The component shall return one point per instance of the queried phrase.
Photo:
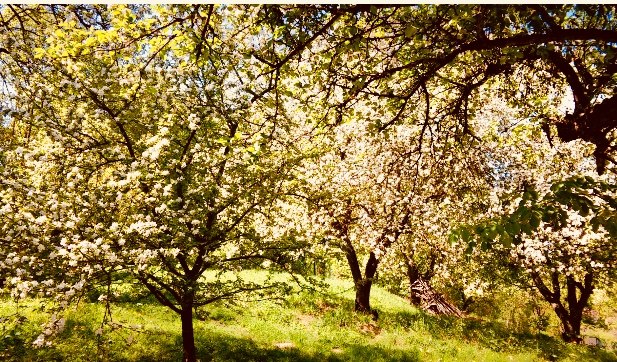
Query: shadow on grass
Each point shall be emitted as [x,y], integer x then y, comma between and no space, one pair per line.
[492,335]
[80,342]
[223,347]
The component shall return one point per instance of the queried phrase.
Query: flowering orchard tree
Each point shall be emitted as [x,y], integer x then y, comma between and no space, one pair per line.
[154,150]
[389,56]
[392,52]
[426,257]
[547,225]
[397,58]
[455,193]
[369,191]
[372,188]
[562,240]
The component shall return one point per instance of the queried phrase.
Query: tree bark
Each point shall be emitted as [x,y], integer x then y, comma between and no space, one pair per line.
[431,301]
[363,285]
[413,274]
[571,316]
[363,295]
[188,337]
[568,325]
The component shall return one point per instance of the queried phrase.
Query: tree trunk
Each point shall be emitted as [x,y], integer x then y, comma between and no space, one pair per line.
[362,285]
[188,337]
[363,295]
[572,316]
[422,294]
[570,331]
[413,274]
[363,289]
[575,323]
[431,301]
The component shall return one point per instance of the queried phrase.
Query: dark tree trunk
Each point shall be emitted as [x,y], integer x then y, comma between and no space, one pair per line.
[413,274]
[421,293]
[363,295]
[571,316]
[362,285]
[570,332]
[188,337]
[591,124]
[432,301]
[467,302]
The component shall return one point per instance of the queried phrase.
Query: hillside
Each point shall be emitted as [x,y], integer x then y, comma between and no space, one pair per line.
[306,326]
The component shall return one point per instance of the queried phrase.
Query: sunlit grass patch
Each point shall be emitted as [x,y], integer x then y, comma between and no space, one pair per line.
[306,325]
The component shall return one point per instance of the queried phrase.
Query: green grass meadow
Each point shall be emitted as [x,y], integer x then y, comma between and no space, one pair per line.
[304,326]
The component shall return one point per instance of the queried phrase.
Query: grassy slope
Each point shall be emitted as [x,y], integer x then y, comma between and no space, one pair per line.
[320,327]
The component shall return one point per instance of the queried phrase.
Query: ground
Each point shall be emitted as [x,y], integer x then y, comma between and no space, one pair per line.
[305,326]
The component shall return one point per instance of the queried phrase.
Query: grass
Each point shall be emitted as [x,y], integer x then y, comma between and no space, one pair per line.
[306,326]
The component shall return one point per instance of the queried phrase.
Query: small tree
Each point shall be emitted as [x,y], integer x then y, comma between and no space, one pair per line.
[370,191]
[158,150]
[562,241]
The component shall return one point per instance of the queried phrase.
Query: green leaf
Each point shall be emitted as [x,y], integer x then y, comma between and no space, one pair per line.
[512,228]
[470,248]
[556,187]
[490,234]
[524,213]
[465,235]
[409,31]
[534,220]
[485,245]
[506,240]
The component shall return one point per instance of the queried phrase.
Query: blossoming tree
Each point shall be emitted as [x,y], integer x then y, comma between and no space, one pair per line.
[155,151]
[552,219]
[371,191]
